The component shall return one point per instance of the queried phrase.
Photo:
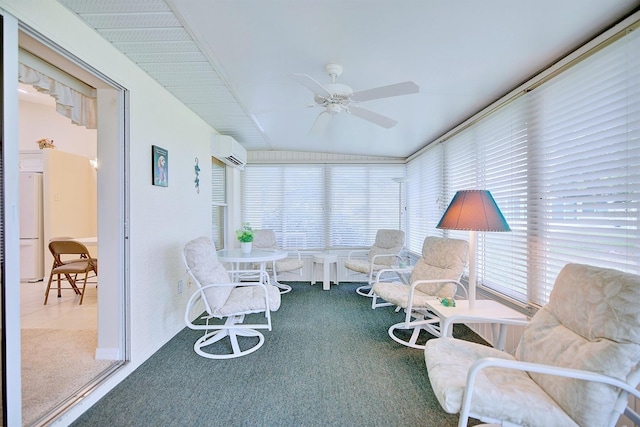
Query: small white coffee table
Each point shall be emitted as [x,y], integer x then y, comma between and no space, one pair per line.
[484,311]
[327,261]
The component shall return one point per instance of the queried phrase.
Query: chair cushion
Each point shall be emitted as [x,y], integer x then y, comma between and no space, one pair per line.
[592,322]
[289,264]
[249,299]
[264,239]
[398,294]
[363,266]
[205,267]
[389,239]
[73,267]
[442,258]
[388,242]
[498,392]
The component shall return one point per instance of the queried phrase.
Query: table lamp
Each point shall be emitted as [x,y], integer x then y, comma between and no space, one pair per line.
[473,210]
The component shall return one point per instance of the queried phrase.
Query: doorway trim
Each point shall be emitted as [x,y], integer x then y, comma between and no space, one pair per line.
[113,213]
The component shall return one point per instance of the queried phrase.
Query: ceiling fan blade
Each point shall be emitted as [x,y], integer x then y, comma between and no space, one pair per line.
[404,88]
[320,124]
[311,84]
[373,117]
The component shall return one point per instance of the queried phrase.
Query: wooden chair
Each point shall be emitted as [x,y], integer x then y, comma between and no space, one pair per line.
[82,262]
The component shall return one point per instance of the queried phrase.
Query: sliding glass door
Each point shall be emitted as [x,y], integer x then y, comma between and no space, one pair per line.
[9,243]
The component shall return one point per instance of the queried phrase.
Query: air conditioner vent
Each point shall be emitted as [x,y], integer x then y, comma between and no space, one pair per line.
[228,150]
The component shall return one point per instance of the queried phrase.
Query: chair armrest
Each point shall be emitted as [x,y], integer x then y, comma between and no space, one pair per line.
[420,282]
[397,256]
[294,252]
[378,274]
[579,374]
[397,270]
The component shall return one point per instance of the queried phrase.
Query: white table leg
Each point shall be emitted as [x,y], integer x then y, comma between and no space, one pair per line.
[326,280]
[446,327]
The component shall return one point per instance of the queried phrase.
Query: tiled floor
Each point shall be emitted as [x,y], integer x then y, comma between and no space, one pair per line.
[59,313]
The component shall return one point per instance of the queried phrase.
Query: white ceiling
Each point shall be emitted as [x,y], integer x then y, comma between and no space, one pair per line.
[28,93]
[230,60]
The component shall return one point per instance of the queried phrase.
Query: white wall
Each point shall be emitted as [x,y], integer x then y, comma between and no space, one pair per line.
[38,121]
[162,220]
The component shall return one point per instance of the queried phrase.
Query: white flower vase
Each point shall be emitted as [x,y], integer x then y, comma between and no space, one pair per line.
[246,247]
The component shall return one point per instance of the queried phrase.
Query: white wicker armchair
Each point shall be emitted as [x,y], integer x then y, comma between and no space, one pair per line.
[266,239]
[384,253]
[222,299]
[435,275]
[576,364]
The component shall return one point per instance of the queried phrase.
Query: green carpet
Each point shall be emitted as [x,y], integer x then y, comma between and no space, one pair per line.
[327,362]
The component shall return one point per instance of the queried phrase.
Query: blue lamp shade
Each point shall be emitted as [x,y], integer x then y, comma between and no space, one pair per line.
[473,210]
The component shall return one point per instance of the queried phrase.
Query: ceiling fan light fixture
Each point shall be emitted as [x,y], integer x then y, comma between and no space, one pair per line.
[334,109]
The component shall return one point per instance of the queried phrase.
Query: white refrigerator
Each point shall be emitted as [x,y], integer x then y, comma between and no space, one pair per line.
[31,227]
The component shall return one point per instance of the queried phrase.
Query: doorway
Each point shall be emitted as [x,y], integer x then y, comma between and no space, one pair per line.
[111,345]
[58,197]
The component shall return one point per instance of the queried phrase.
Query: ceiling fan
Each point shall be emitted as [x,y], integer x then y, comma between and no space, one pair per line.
[336,97]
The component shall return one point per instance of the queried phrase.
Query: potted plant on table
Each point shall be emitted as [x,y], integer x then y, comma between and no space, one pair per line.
[245,237]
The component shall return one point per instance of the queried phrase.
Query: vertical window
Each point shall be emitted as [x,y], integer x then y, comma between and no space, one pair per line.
[426,201]
[563,163]
[492,155]
[218,202]
[288,199]
[585,165]
[361,200]
[312,206]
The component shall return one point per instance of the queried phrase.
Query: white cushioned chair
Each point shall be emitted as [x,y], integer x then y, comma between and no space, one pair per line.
[265,239]
[576,363]
[222,299]
[435,275]
[384,253]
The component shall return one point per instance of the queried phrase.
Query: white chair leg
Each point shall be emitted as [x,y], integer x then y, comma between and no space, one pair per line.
[365,291]
[213,337]
[283,287]
[430,326]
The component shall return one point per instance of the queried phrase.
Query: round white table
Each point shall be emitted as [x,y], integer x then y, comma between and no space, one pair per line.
[258,256]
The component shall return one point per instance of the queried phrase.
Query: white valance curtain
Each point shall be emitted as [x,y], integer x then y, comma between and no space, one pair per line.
[77,103]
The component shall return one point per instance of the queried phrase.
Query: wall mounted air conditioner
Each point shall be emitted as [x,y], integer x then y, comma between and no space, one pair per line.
[228,150]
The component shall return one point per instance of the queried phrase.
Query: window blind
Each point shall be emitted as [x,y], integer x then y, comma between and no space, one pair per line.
[289,199]
[362,199]
[502,142]
[218,202]
[313,206]
[562,162]
[586,165]
[425,198]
